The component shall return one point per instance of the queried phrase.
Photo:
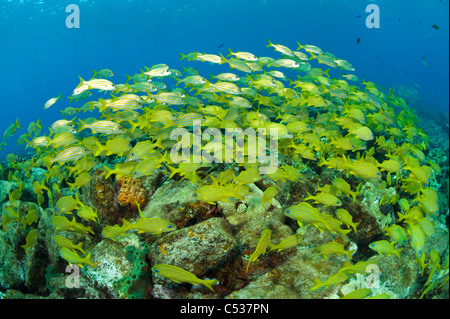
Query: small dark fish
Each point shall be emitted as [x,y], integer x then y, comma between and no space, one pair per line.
[220,45]
[358,40]
[399,20]
[420,21]
[358,16]
[435,26]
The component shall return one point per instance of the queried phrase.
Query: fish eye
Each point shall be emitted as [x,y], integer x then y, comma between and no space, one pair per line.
[288,211]
[338,203]
[318,252]
[378,173]
[135,173]
[420,252]
[170,226]
[195,194]
[155,270]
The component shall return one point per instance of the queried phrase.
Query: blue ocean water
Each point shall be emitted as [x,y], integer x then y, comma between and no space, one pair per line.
[40,57]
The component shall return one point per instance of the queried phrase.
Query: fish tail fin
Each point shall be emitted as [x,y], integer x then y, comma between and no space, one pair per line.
[87,261]
[173,170]
[308,196]
[103,103]
[71,186]
[99,150]
[126,225]
[80,247]
[350,253]
[26,141]
[25,247]
[397,252]
[270,44]
[354,194]
[108,171]
[17,123]
[183,56]
[317,284]
[82,125]
[231,52]
[224,59]
[299,46]
[210,283]
[355,225]
[322,161]
[133,125]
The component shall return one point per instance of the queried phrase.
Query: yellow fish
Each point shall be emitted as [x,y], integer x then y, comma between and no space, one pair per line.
[212,194]
[179,275]
[304,213]
[268,195]
[73,258]
[87,213]
[121,169]
[324,199]
[81,180]
[31,239]
[358,294]
[70,154]
[344,187]
[52,101]
[336,279]
[112,232]
[333,248]
[289,242]
[64,242]
[67,204]
[362,169]
[385,247]
[118,146]
[345,217]
[263,243]
[397,234]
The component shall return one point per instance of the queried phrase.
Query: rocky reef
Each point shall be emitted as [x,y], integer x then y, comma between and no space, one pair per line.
[357,205]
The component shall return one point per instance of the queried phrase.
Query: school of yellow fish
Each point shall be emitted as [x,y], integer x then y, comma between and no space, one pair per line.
[339,123]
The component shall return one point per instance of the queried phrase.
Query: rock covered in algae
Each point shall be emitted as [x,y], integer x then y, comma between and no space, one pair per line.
[100,194]
[199,249]
[169,200]
[111,263]
[248,220]
[12,273]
